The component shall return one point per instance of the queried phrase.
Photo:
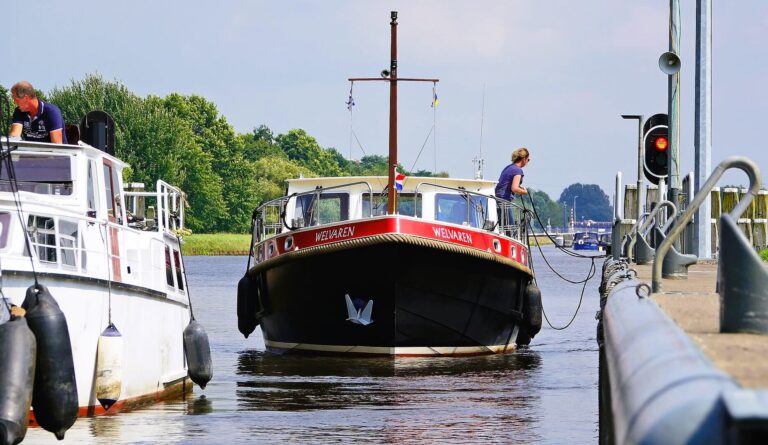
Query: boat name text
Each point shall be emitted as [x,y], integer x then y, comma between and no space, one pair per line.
[331,234]
[443,232]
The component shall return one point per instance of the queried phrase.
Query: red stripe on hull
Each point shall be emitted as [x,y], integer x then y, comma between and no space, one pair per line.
[179,389]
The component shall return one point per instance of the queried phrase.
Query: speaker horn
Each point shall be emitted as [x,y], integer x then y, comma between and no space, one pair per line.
[669,63]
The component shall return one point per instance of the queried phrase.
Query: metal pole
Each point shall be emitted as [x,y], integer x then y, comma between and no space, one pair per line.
[673,104]
[703,126]
[392,199]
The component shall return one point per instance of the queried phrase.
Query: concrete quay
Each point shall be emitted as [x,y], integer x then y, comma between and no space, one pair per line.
[695,307]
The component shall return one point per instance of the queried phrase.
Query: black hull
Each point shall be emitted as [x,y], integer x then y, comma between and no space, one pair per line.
[426,301]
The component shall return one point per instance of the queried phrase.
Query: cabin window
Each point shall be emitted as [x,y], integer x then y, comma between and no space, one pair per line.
[406,204]
[467,210]
[177,262]
[114,197]
[46,175]
[68,242]
[42,234]
[168,267]
[91,191]
[330,208]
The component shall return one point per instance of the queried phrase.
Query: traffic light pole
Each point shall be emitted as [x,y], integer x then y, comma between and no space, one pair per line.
[673,105]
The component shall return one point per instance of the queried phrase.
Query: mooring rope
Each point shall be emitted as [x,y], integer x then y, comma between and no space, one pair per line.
[590,274]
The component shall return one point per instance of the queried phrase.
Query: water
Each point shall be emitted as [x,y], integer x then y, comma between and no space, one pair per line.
[544,394]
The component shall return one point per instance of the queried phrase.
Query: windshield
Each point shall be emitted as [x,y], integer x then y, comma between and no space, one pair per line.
[44,174]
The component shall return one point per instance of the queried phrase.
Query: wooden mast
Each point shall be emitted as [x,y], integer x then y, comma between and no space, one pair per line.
[391,77]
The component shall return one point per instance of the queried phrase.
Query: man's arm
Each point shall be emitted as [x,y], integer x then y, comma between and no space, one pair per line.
[15,130]
[56,136]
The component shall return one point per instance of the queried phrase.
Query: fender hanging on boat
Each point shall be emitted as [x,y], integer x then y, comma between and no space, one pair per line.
[109,366]
[17,353]
[246,306]
[54,397]
[198,354]
[532,309]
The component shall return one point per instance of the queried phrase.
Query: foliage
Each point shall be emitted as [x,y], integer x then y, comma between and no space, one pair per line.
[548,211]
[764,254]
[590,200]
[6,109]
[305,151]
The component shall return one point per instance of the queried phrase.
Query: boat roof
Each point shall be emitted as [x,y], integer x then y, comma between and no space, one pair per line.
[410,182]
[47,147]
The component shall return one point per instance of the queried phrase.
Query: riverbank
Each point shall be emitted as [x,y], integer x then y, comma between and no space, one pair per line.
[216,244]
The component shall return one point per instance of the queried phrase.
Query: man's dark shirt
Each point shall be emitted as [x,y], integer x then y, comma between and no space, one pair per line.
[39,127]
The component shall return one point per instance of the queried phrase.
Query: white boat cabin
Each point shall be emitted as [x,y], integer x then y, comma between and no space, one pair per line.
[319,201]
[80,219]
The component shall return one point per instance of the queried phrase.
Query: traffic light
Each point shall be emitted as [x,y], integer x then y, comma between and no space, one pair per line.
[656,144]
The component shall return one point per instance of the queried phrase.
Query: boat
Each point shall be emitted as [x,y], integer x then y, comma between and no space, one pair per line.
[390,265]
[109,255]
[586,241]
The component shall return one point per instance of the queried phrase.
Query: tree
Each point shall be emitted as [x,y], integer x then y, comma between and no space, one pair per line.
[155,142]
[591,202]
[548,211]
[305,151]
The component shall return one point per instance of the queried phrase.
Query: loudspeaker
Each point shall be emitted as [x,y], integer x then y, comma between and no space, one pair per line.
[669,63]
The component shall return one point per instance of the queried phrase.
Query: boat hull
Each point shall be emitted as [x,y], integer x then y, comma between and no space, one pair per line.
[151,325]
[439,302]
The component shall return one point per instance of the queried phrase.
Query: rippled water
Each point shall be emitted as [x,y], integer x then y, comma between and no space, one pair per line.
[546,393]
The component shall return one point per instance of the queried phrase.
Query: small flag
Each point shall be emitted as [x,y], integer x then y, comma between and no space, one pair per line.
[399,179]
[350,102]
[435,101]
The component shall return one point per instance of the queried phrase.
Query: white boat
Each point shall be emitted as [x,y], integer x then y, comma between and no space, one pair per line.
[106,254]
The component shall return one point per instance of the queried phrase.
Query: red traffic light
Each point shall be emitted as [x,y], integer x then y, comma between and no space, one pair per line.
[661,143]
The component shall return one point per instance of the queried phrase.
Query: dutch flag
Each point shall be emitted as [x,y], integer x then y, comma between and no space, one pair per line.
[399,179]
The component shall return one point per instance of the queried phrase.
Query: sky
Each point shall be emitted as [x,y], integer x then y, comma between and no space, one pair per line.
[553,76]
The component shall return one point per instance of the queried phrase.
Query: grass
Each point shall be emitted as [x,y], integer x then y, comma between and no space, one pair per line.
[764,254]
[216,244]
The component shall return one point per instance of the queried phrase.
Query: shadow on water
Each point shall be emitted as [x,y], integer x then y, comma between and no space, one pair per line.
[298,383]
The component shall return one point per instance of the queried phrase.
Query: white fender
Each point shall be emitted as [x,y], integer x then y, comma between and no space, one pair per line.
[109,367]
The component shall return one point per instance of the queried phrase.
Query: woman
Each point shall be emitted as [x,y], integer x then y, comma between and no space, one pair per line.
[511,181]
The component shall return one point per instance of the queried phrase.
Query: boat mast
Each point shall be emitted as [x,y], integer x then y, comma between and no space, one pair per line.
[392,197]
[391,77]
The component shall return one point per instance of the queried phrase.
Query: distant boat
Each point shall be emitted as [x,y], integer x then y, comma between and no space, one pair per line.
[392,266]
[586,241]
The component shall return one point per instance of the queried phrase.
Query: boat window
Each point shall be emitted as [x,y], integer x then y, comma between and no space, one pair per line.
[42,234]
[68,242]
[332,207]
[168,267]
[406,204]
[177,262]
[114,197]
[43,174]
[91,189]
[454,209]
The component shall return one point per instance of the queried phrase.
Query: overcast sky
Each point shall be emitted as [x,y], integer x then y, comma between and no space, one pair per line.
[556,74]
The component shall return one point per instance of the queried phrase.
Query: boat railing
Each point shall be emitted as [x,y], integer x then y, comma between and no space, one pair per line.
[167,213]
[270,217]
[510,219]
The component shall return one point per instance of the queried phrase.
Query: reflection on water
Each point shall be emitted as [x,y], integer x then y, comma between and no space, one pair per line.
[544,394]
[296,383]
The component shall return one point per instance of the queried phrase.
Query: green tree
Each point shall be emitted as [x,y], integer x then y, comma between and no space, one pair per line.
[260,143]
[591,202]
[155,142]
[305,151]
[548,211]
[6,110]
[217,138]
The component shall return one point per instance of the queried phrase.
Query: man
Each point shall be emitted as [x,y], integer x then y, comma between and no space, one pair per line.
[33,119]
[511,183]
